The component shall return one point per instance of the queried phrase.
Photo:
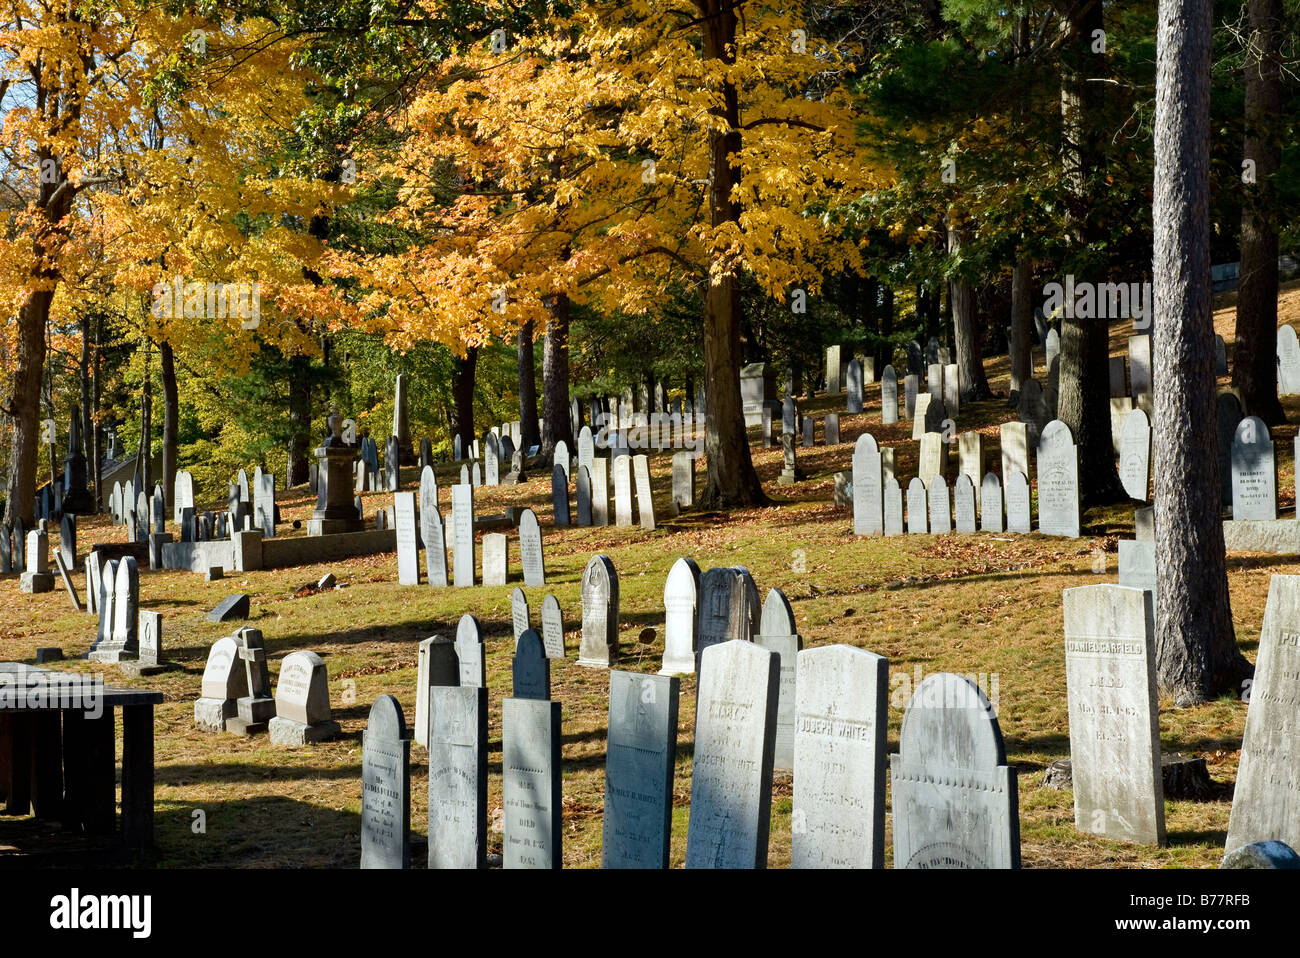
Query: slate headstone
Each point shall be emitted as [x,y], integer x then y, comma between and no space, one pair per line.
[462,524]
[530,668]
[531,785]
[639,756]
[1254,472]
[385,788]
[888,397]
[436,665]
[469,652]
[552,628]
[599,613]
[868,505]
[1058,481]
[458,777]
[777,633]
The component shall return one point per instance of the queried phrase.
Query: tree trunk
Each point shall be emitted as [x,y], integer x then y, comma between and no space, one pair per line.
[555,381]
[1196,651]
[731,480]
[1254,360]
[462,388]
[145,452]
[25,408]
[300,438]
[1083,378]
[1022,325]
[94,433]
[966,338]
[884,351]
[171,421]
[529,433]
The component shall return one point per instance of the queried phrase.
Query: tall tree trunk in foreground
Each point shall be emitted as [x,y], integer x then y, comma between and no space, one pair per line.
[1254,361]
[300,437]
[555,380]
[462,389]
[171,427]
[1022,325]
[1196,651]
[529,434]
[966,338]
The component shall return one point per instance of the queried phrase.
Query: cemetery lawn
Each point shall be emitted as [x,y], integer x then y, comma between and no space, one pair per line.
[986,605]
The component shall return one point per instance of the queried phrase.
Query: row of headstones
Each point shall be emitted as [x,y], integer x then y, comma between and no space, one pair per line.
[954,802]
[236,693]
[592,490]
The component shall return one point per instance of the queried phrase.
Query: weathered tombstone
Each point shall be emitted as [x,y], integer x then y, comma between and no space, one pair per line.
[408,546]
[952,388]
[552,628]
[1228,416]
[1119,413]
[600,491]
[125,639]
[639,754]
[953,795]
[426,454]
[462,524]
[765,425]
[1144,524]
[520,617]
[789,416]
[684,479]
[1264,801]
[530,771]
[583,489]
[934,380]
[680,591]
[888,397]
[1017,502]
[854,390]
[919,415]
[833,384]
[776,632]
[940,506]
[809,432]
[599,614]
[1254,472]
[436,665]
[469,652]
[264,504]
[1013,439]
[392,464]
[1051,346]
[475,474]
[1035,409]
[1137,566]
[1288,361]
[735,739]
[893,508]
[723,609]
[561,458]
[496,549]
[457,448]
[963,499]
[302,702]
[622,491]
[224,683]
[1139,364]
[1220,356]
[1110,676]
[645,506]
[143,520]
[105,600]
[385,787]
[435,546]
[68,540]
[911,386]
[832,429]
[491,460]
[1135,455]
[457,736]
[868,518]
[530,668]
[918,507]
[840,740]
[1058,481]
[253,711]
[586,447]
[933,457]
[970,459]
[991,503]
[530,549]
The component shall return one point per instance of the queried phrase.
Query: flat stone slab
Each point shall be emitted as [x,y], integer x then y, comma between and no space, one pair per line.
[285,731]
[230,608]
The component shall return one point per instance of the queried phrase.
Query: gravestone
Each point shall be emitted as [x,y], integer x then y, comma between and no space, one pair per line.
[1264,803]
[1017,502]
[1288,361]
[552,628]
[125,639]
[919,415]
[934,380]
[530,771]
[462,525]
[868,516]
[1119,413]
[911,387]
[458,777]
[789,466]
[599,614]
[735,740]
[464,475]
[1051,346]
[600,491]
[583,485]
[264,505]
[1144,524]
[940,506]
[385,787]
[105,600]
[496,548]
[684,479]
[253,711]
[833,384]
[224,683]
[809,432]
[530,549]
[491,460]
[893,508]
[562,459]
[680,591]
[520,616]
[1220,356]
[426,454]
[530,669]
[991,503]
[1013,440]
[776,633]
[1228,417]
[436,666]
[888,397]
[723,608]
[1254,472]
[963,504]
[469,652]
[933,457]
[392,465]
[953,795]
[970,459]
[1035,410]
[623,491]
[952,388]
[408,546]
[917,507]
[832,429]
[765,425]
[854,389]
[1118,377]
[840,736]
[789,416]
[1139,364]
[302,702]
[1110,676]
[1135,455]
[586,447]
[1058,481]
[640,751]
[475,475]
[435,546]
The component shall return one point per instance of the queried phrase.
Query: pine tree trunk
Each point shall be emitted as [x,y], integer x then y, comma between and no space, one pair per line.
[529,434]
[1196,651]
[300,438]
[1254,361]
[462,389]
[1022,324]
[171,417]
[555,381]
[970,363]
[731,480]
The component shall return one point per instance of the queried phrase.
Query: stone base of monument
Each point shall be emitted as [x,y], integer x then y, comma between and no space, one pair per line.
[211,715]
[35,582]
[110,656]
[1182,776]
[288,732]
[1277,536]
[136,668]
[329,527]
[253,716]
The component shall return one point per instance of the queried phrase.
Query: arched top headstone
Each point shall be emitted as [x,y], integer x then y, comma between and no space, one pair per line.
[519,613]
[963,485]
[467,630]
[949,722]
[386,720]
[916,485]
[683,581]
[990,482]
[530,645]
[777,617]
[1055,437]
[865,446]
